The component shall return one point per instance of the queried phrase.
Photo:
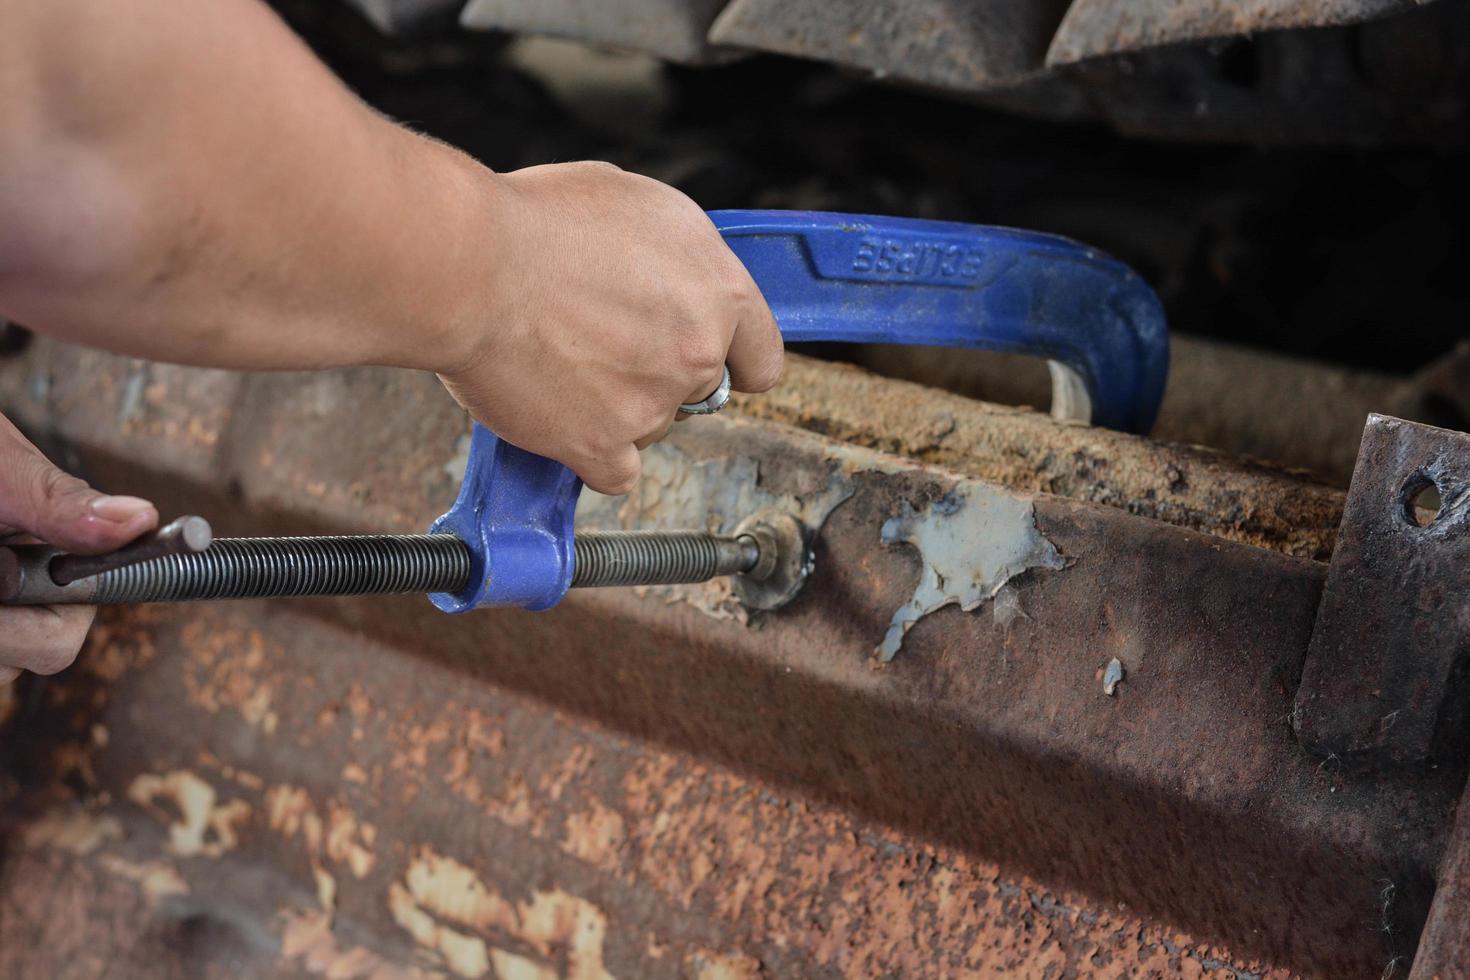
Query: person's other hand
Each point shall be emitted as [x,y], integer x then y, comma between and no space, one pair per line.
[613,299]
[40,502]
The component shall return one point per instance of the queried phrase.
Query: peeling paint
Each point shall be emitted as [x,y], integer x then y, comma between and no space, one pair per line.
[509,966]
[972,541]
[453,891]
[704,965]
[594,835]
[437,890]
[464,954]
[307,940]
[201,828]
[677,493]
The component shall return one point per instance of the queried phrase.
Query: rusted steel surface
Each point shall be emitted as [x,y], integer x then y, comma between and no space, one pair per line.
[1289,411]
[969,45]
[1385,674]
[1444,947]
[1183,796]
[1187,486]
[1093,28]
[317,804]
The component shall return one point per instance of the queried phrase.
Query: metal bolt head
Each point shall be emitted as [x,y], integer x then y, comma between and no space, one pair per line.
[784,564]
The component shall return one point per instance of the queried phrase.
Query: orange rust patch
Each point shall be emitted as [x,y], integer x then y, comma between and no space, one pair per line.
[226,669]
[349,842]
[704,965]
[594,835]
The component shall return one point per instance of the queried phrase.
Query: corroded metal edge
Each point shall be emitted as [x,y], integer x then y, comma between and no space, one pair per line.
[1187,486]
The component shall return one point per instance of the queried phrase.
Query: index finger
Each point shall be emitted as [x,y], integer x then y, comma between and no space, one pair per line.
[757,354]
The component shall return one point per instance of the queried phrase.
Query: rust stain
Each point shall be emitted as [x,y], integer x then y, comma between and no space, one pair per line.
[594,835]
[1189,486]
[308,942]
[556,919]
[225,670]
[202,827]
[115,647]
[442,903]
[704,965]
[453,891]
[289,811]
[466,955]
[509,966]
[349,842]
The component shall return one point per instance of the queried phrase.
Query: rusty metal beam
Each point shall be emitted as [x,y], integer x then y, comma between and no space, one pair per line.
[1184,485]
[988,737]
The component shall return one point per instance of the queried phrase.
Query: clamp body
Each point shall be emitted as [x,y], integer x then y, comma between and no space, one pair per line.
[858,279]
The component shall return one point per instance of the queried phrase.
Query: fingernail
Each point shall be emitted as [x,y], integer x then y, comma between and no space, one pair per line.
[119,510]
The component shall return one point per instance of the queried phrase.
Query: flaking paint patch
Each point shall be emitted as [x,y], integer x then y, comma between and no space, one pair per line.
[509,966]
[442,903]
[704,965]
[464,954]
[971,541]
[202,827]
[307,940]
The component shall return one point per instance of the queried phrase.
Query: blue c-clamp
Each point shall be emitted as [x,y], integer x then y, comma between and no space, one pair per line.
[852,278]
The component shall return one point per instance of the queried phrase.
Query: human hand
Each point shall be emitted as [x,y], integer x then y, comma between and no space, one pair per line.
[613,301]
[40,502]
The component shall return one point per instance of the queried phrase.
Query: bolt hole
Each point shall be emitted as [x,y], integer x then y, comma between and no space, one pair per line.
[1422,501]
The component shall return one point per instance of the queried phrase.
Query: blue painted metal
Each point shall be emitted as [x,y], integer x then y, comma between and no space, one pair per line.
[861,279]
[515,512]
[857,278]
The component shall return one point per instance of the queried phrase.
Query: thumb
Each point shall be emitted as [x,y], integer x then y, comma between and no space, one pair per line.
[38,499]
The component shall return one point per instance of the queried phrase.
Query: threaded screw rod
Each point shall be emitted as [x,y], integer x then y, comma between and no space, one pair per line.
[254,568]
[659,557]
[257,568]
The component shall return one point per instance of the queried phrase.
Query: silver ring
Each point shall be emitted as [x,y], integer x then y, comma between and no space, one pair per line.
[714,402]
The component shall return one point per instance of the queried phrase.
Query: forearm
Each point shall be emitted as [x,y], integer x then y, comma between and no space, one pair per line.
[184,181]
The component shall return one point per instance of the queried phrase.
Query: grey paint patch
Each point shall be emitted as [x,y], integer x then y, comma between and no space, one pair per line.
[678,493]
[1112,677]
[972,541]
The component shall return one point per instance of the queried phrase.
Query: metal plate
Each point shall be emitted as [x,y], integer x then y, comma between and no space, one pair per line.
[1394,628]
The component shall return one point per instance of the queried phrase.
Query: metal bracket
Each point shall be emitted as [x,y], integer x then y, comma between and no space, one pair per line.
[1380,682]
[855,279]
